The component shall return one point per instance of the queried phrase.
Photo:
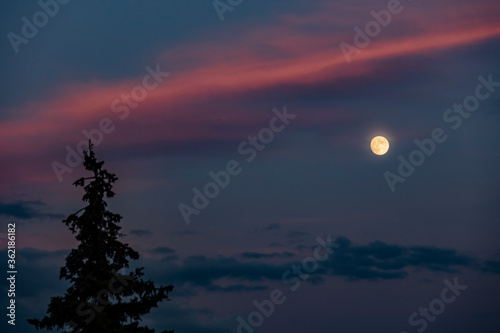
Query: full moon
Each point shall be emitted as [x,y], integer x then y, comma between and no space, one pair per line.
[379,145]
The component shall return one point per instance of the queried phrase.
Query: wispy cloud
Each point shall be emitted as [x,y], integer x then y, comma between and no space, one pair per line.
[141,232]
[27,210]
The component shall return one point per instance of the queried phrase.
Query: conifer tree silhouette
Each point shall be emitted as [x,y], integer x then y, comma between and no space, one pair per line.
[100,299]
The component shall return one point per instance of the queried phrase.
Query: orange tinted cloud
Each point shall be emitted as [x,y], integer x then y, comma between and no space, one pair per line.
[206,98]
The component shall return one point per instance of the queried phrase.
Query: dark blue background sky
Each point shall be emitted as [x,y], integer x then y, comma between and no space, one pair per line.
[317,177]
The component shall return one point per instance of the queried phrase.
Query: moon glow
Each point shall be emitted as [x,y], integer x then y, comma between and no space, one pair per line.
[379,145]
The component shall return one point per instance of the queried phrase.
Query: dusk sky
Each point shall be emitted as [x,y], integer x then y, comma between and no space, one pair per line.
[240,134]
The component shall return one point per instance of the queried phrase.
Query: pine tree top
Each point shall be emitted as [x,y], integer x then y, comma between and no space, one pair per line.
[100,299]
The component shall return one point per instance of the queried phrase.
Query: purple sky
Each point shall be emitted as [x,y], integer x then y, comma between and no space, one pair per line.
[172,95]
